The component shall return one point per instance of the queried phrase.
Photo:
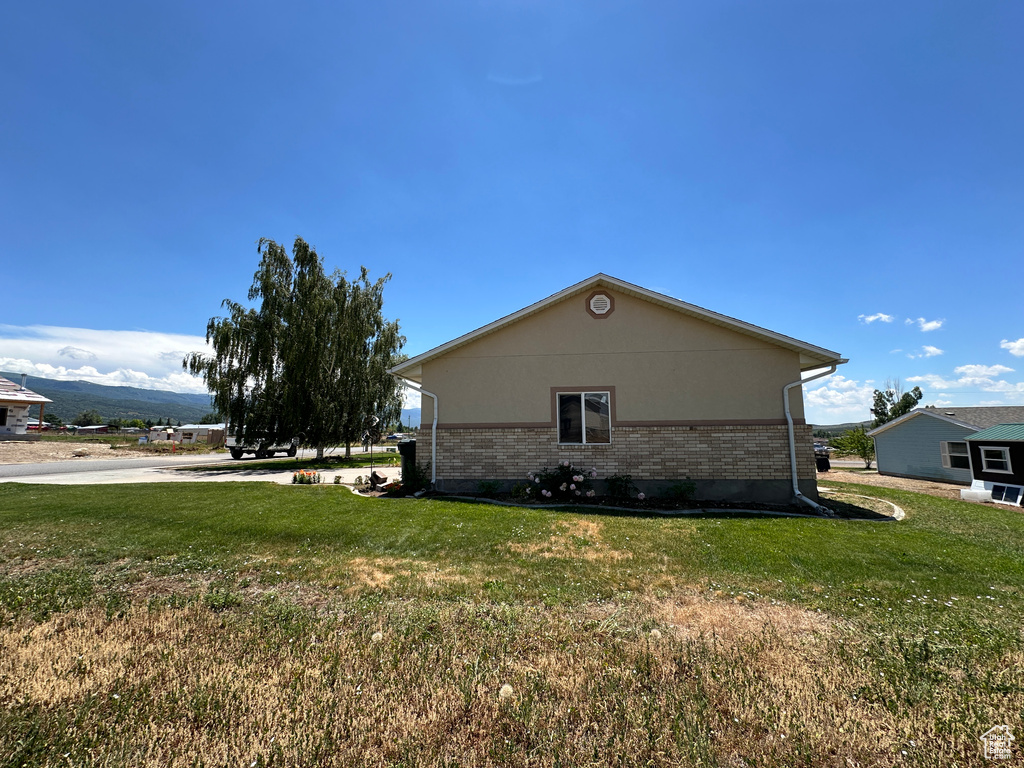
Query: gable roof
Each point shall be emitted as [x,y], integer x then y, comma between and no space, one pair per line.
[810,355]
[976,417]
[999,432]
[15,393]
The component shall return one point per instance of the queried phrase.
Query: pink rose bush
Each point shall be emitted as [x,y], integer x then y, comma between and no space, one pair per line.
[564,483]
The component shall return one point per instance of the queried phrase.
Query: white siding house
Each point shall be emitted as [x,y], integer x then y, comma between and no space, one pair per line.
[15,402]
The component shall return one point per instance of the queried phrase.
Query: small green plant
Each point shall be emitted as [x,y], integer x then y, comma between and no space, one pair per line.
[220,599]
[684,491]
[488,488]
[307,477]
[621,486]
[522,492]
[337,479]
[418,479]
[564,482]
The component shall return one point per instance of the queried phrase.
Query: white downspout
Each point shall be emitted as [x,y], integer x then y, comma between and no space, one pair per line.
[433,430]
[792,439]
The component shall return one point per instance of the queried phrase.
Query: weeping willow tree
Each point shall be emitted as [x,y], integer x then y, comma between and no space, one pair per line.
[308,360]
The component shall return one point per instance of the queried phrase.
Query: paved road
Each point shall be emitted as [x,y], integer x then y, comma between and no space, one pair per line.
[160,469]
[107,465]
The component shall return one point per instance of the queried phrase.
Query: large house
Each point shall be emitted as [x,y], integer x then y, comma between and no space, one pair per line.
[931,443]
[15,402]
[609,375]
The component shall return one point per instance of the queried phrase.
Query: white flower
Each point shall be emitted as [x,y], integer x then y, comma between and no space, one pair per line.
[577,493]
[565,463]
[593,474]
[377,637]
[572,487]
[561,487]
[536,480]
[641,496]
[577,478]
[546,492]
[590,494]
[506,692]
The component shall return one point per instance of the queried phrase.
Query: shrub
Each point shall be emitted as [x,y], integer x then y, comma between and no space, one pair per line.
[621,486]
[488,487]
[682,491]
[565,483]
[306,477]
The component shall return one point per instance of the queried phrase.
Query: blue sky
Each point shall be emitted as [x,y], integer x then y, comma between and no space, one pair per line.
[848,173]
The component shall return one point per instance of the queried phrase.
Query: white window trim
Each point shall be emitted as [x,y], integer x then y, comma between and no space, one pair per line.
[1004,486]
[945,452]
[582,394]
[1006,455]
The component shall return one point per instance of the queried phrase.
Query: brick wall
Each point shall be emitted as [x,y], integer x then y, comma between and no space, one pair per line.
[744,453]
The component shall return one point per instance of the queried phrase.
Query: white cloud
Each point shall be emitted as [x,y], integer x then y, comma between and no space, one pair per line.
[926,325]
[982,370]
[144,359]
[879,316]
[926,351]
[971,381]
[1016,348]
[839,399]
[76,354]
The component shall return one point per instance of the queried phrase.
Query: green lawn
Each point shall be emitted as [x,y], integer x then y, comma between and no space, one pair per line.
[626,639]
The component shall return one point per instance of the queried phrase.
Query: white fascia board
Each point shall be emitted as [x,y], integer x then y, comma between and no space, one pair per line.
[811,356]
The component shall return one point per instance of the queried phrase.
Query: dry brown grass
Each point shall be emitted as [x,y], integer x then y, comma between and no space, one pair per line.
[719,682]
[573,539]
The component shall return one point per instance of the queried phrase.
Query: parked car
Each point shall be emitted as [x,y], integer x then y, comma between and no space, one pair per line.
[263,450]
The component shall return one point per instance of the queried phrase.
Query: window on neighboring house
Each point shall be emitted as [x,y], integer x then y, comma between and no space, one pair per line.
[954,455]
[584,417]
[3,417]
[1008,494]
[995,459]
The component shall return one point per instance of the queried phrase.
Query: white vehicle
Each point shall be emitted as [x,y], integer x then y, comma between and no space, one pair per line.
[262,450]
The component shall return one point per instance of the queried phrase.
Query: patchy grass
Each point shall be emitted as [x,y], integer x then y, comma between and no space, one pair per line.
[238,623]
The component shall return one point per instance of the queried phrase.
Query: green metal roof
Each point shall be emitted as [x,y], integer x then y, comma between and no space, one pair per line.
[999,432]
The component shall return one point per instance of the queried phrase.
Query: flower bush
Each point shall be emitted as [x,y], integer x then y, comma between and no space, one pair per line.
[563,483]
[306,477]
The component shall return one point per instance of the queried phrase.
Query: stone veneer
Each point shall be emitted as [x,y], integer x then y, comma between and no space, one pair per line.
[725,462]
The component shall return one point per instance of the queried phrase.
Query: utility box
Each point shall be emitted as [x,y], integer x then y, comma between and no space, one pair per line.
[407,449]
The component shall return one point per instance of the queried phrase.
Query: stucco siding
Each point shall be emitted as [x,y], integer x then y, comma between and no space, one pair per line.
[912,449]
[663,365]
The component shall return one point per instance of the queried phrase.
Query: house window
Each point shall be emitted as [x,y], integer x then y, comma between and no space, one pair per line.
[3,417]
[584,417]
[1008,494]
[954,455]
[995,460]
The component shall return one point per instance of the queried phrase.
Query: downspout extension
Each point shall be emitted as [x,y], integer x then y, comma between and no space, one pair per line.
[792,441]
[433,430]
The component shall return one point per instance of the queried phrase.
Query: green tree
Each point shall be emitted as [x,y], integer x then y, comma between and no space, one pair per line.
[310,359]
[135,424]
[892,402]
[211,418]
[89,418]
[855,442]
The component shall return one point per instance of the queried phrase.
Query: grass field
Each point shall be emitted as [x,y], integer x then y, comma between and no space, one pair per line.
[231,624]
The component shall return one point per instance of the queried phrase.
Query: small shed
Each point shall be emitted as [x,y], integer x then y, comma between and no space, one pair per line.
[201,433]
[997,464]
[15,402]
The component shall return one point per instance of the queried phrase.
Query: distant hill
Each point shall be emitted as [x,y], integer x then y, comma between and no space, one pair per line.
[70,398]
[832,430]
[411,416]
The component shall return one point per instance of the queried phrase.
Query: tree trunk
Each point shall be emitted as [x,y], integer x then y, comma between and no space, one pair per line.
[319,453]
[348,450]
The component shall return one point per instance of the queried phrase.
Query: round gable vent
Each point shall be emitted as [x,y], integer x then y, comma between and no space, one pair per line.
[600,304]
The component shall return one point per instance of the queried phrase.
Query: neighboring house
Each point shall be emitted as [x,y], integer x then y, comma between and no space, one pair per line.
[930,443]
[610,375]
[201,433]
[95,429]
[15,402]
[997,464]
